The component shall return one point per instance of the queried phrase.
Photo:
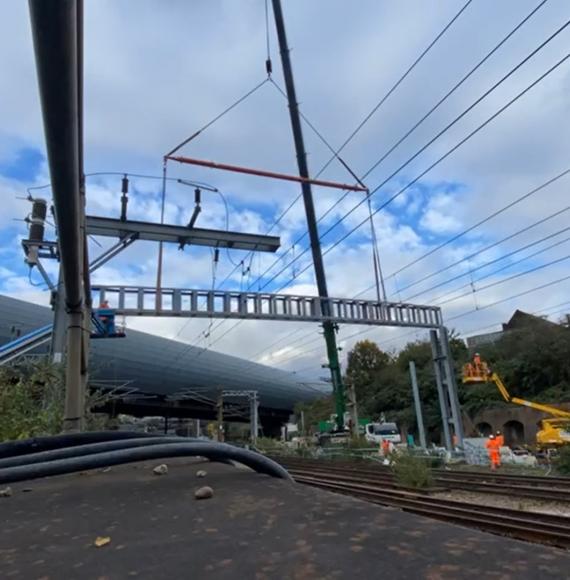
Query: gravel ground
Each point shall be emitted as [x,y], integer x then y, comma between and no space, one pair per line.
[523,504]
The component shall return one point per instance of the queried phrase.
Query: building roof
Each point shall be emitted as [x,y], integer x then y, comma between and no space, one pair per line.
[154,365]
[521,319]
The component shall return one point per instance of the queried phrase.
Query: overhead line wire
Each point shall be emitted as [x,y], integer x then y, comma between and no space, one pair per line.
[396,85]
[486,248]
[438,161]
[495,260]
[406,135]
[430,142]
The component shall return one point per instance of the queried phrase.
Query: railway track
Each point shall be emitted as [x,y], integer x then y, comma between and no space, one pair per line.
[533,527]
[533,487]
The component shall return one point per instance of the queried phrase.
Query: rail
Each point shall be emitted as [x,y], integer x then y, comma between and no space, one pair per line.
[377,486]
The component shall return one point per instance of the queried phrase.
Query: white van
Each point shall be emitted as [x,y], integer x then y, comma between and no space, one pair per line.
[378,432]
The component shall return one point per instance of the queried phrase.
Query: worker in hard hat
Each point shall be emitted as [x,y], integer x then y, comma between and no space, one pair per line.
[494,453]
[500,439]
[477,362]
[106,317]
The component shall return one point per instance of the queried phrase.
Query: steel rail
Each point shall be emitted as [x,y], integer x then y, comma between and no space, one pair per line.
[369,466]
[555,490]
[532,527]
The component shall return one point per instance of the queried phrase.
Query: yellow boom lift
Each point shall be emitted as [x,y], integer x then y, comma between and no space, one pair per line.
[554,430]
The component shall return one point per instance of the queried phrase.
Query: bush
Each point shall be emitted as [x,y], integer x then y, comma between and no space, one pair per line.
[32,401]
[411,471]
[563,461]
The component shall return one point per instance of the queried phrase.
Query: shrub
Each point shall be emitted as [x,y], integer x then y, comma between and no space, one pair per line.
[563,461]
[32,400]
[411,471]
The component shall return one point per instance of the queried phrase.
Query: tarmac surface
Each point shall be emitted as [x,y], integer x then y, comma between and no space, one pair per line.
[255,527]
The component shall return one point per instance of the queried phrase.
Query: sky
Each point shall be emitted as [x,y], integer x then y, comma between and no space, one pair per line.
[157,72]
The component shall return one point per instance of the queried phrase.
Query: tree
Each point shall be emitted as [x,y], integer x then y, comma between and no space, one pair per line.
[314,412]
[365,362]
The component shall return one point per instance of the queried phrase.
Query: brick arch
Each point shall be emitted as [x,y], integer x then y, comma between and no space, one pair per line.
[483,428]
[514,432]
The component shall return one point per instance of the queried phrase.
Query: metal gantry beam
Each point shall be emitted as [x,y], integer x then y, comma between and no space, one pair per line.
[191,303]
[116,228]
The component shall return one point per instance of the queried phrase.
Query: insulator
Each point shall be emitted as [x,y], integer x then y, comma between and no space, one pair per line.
[216,255]
[125,185]
[36,231]
[124,197]
[39,209]
[197,195]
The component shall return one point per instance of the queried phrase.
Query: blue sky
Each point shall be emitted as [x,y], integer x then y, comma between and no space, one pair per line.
[149,84]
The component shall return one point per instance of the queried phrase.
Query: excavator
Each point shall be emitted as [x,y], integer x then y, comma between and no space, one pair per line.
[554,430]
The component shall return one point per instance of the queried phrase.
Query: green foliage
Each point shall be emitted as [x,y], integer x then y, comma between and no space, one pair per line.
[411,471]
[534,363]
[365,361]
[32,399]
[563,461]
[318,410]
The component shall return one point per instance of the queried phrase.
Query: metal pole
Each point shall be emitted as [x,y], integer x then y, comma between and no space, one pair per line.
[451,385]
[57,36]
[197,427]
[160,248]
[254,418]
[417,404]
[220,417]
[328,326]
[443,404]
[58,336]
[74,401]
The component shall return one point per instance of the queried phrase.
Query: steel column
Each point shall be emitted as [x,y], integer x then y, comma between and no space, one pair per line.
[328,326]
[417,405]
[443,402]
[451,383]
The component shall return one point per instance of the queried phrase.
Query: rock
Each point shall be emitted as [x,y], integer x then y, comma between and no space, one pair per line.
[205,492]
[101,541]
[6,492]
[201,473]
[161,469]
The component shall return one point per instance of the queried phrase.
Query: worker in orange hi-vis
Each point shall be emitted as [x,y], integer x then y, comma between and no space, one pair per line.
[494,453]
[385,447]
[477,362]
[500,439]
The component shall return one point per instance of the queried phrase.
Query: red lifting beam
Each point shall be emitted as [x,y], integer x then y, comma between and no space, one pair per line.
[262,173]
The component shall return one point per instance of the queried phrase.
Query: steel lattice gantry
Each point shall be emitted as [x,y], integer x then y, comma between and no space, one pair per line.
[190,303]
